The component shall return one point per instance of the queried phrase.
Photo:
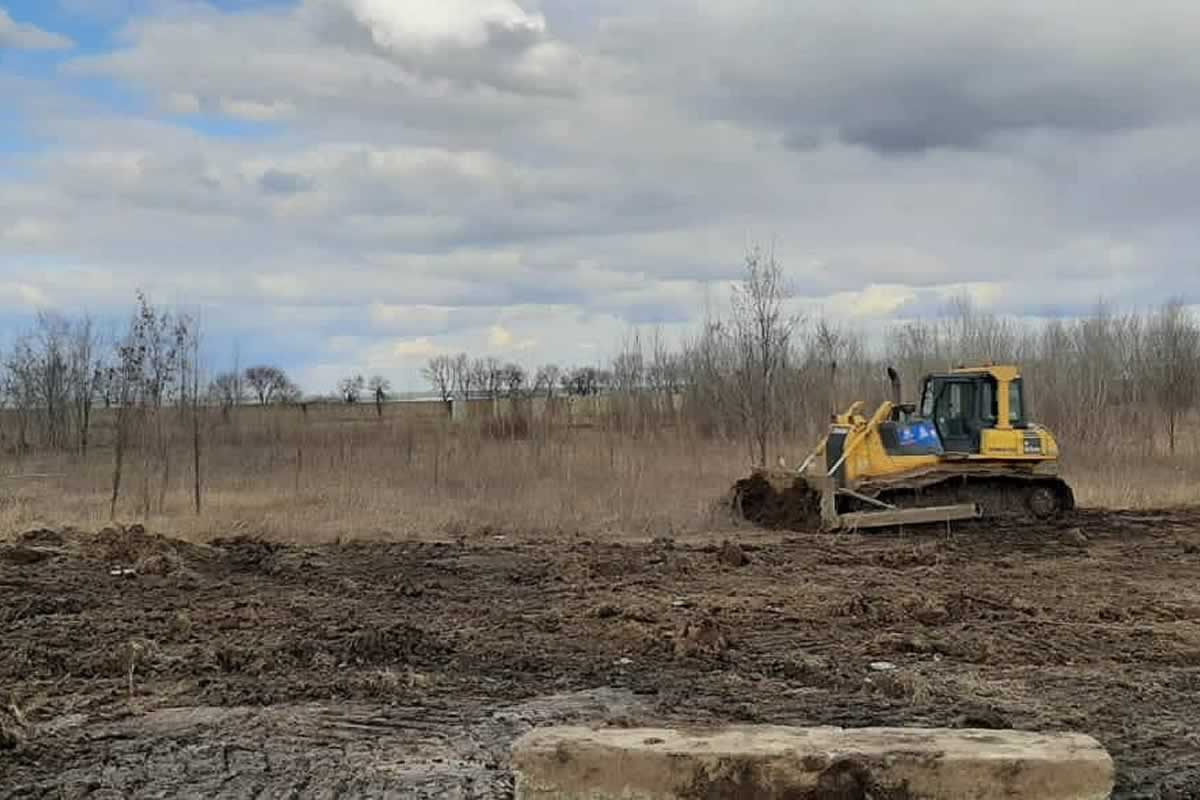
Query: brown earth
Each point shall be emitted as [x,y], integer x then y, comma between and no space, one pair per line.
[135,665]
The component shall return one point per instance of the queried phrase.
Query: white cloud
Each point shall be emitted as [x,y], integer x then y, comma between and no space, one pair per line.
[28,231]
[23,36]
[499,338]
[255,111]
[417,348]
[22,296]
[407,25]
[182,103]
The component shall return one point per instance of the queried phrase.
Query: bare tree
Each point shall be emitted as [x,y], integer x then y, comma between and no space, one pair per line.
[664,373]
[464,376]
[350,389]
[20,387]
[130,389]
[487,376]
[512,377]
[583,381]
[53,393]
[629,366]
[761,336]
[225,390]
[547,379]
[269,384]
[1174,342]
[86,372]
[379,387]
[439,373]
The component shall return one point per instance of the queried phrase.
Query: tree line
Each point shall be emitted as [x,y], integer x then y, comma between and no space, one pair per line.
[459,376]
[761,371]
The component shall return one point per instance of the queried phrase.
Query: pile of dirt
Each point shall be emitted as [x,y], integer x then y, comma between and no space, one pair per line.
[777,501]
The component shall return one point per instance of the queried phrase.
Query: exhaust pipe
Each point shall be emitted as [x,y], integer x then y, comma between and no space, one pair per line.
[894,377]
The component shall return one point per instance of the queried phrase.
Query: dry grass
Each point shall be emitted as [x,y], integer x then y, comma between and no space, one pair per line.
[286,478]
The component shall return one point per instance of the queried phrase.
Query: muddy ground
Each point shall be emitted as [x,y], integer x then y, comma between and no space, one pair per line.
[134,665]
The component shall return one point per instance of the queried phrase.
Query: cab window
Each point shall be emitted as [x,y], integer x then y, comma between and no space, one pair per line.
[988,401]
[1016,411]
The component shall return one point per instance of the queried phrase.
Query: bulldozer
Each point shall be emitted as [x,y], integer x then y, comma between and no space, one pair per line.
[965,450]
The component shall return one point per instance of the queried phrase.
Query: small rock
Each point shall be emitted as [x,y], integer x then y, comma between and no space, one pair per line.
[1191,548]
[932,614]
[882,666]
[732,554]
[679,603]
[607,611]
[1077,536]
[623,662]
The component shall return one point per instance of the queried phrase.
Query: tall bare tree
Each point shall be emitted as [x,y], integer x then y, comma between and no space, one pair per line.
[350,388]
[464,376]
[1174,341]
[546,380]
[761,335]
[439,373]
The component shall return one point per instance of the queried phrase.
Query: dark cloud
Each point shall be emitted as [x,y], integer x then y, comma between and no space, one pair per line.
[902,79]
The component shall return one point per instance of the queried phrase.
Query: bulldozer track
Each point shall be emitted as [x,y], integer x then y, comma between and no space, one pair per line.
[1011,498]
[786,501]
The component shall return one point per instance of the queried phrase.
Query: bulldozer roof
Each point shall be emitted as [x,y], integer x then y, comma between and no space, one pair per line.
[1001,372]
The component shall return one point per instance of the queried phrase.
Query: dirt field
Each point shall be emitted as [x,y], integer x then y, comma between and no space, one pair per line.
[142,666]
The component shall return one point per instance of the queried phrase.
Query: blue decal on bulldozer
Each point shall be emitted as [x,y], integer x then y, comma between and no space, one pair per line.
[918,438]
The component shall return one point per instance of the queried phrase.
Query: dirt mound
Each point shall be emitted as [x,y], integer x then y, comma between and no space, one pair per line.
[130,544]
[777,500]
[249,553]
[42,536]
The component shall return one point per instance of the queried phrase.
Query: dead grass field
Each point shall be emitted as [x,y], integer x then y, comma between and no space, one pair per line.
[391,480]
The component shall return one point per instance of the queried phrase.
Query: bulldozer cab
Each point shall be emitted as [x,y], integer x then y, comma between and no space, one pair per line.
[964,402]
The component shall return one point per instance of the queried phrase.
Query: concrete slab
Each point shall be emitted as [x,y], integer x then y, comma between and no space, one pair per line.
[766,762]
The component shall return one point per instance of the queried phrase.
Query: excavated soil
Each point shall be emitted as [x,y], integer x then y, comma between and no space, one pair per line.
[138,666]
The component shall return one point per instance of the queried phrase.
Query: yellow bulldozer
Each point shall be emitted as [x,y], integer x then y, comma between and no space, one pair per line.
[966,450]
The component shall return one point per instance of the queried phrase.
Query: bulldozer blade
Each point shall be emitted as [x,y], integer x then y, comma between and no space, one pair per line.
[907,516]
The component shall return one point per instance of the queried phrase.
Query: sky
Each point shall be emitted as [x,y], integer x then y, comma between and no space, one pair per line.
[341,186]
